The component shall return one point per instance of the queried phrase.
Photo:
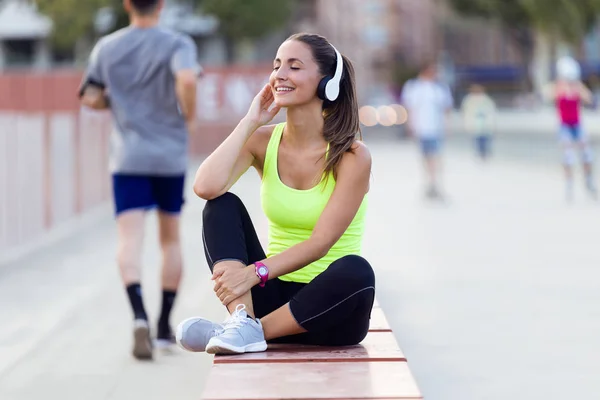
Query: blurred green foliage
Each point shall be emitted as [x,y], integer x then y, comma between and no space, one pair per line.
[568,20]
[73,19]
[239,19]
[247,19]
[560,20]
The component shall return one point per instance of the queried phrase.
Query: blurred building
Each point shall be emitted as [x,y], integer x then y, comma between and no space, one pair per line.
[23,36]
[366,32]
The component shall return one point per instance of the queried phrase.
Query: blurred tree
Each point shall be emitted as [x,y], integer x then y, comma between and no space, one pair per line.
[567,19]
[247,19]
[526,20]
[73,20]
[239,19]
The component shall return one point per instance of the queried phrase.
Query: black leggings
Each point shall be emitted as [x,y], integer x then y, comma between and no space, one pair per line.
[334,308]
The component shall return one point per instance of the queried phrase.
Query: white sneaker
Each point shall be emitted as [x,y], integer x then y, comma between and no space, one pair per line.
[240,334]
[142,344]
[193,334]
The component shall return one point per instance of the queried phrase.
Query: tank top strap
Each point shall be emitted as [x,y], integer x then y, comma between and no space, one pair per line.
[272,149]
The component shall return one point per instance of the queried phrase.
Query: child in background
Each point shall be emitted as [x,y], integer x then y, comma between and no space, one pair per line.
[569,95]
[479,113]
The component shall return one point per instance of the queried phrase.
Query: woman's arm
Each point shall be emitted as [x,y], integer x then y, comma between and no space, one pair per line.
[351,187]
[219,172]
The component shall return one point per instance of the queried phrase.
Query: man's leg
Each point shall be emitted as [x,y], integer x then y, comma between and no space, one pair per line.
[430,149]
[168,193]
[132,197]
[130,228]
[172,262]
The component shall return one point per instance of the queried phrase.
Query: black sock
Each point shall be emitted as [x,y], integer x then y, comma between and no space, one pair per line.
[134,291]
[164,329]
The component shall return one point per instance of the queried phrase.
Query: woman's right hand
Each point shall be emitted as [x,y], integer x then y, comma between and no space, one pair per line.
[259,113]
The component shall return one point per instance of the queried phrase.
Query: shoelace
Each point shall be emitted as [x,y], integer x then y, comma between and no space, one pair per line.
[236,320]
[216,330]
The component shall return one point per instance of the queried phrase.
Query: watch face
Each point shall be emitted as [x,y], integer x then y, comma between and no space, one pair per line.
[262,270]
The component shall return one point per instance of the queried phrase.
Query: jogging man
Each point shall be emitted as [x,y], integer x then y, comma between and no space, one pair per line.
[146,75]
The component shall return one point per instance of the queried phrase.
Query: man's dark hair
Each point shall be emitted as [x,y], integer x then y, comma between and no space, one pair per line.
[144,7]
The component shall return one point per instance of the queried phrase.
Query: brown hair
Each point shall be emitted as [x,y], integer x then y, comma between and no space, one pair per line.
[341,116]
[144,7]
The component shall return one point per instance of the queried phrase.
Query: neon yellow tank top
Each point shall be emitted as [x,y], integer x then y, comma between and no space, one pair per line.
[293,214]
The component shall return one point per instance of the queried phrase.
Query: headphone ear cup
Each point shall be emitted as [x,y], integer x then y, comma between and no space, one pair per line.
[321,88]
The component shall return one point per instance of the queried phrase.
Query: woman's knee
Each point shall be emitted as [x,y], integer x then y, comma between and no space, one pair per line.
[226,201]
[354,269]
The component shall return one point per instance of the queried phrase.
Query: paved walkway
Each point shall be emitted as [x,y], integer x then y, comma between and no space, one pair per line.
[538,122]
[492,296]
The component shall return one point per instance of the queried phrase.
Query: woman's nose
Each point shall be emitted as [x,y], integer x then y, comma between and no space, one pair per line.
[281,73]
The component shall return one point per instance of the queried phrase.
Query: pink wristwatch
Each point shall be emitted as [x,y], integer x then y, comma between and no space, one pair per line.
[262,272]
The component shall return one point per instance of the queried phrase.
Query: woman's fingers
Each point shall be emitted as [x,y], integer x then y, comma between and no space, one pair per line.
[226,300]
[217,274]
[266,92]
[274,111]
[267,103]
[270,94]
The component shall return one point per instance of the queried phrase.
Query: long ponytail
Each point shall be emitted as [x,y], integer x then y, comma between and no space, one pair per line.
[341,120]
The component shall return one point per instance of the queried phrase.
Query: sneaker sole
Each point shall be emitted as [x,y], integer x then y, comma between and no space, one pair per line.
[179,333]
[217,346]
[142,347]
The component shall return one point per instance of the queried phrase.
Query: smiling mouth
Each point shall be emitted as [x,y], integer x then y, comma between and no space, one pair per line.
[283,90]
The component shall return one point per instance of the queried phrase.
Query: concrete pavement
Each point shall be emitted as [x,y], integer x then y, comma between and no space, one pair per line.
[491,296]
[539,122]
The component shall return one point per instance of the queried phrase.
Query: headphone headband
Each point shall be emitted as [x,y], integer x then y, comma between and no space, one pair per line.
[332,89]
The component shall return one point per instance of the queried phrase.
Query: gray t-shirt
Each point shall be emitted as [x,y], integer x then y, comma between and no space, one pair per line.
[136,66]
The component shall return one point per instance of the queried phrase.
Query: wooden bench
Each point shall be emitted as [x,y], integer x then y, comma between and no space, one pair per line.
[374,369]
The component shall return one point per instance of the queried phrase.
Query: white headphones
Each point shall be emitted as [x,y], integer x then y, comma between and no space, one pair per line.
[329,86]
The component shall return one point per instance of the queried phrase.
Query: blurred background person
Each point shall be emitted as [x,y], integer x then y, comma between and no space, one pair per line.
[479,114]
[568,94]
[428,102]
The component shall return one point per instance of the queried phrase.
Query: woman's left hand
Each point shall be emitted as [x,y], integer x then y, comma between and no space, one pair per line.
[232,283]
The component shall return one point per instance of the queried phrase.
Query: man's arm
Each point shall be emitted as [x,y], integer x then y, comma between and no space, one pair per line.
[92,92]
[186,70]
[185,87]
[95,97]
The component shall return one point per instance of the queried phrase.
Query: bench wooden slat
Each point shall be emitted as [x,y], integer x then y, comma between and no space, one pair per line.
[317,380]
[377,346]
[379,322]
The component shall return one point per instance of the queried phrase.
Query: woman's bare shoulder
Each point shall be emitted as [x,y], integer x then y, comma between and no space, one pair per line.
[258,143]
[358,158]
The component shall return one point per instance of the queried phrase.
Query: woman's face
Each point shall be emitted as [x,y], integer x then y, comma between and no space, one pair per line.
[295,75]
